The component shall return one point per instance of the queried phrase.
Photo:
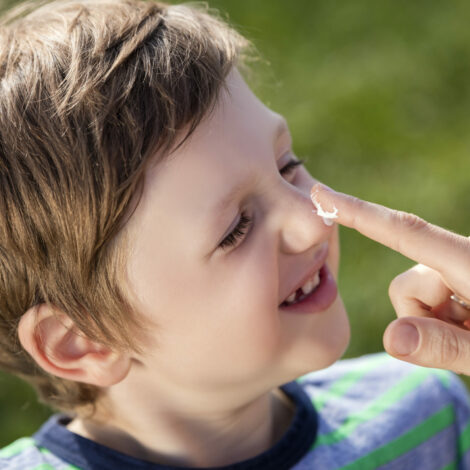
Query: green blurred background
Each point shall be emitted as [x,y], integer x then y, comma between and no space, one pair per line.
[377,96]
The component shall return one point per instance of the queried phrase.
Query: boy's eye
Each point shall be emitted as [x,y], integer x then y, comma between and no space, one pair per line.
[288,169]
[245,221]
[237,232]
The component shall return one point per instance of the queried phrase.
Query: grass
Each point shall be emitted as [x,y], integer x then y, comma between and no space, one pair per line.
[377,96]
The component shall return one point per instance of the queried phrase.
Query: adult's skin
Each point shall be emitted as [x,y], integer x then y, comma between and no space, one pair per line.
[431,328]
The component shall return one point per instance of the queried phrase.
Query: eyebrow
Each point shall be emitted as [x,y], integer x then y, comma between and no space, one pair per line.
[281,128]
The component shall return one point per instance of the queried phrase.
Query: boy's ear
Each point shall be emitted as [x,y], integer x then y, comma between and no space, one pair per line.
[58,347]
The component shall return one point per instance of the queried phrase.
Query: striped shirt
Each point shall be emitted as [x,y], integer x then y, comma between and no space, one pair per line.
[366,413]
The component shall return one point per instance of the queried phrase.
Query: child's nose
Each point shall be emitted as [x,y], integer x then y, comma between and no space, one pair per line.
[300,227]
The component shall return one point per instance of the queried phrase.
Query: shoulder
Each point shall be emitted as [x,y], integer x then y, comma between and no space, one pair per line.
[25,454]
[376,374]
[377,409]
[20,454]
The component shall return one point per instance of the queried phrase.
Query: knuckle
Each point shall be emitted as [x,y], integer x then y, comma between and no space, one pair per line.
[448,349]
[402,283]
[396,286]
[356,201]
[401,279]
[356,214]
[405,222]
[409,220]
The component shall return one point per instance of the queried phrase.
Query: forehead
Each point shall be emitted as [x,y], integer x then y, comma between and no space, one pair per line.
[223,150]
[240,123]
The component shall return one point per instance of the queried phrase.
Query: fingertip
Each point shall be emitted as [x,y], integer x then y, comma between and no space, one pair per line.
[318,188]
[441,345]
[401,338]
[325,208]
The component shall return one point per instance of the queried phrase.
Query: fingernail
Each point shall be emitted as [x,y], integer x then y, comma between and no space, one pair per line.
[405,339]
[320,187]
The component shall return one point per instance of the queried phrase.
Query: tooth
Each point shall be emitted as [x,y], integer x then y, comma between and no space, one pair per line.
[291,297]
[316,279]
[308,287]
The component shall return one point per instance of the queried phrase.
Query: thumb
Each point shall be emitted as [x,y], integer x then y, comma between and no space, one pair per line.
[429,342]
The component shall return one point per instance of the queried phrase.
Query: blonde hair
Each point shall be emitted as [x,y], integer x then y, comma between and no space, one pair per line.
[90,92]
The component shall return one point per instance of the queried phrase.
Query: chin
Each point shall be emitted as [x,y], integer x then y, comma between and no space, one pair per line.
[334,345]
[331,356]
[342,333]
[339,351]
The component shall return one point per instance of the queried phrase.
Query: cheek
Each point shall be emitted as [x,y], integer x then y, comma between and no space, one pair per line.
[244,311]
[224,326]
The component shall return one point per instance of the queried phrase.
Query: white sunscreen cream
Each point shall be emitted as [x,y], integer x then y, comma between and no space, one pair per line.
[327,216]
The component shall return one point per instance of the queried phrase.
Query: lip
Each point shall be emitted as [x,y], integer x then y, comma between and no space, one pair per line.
[320,258]
[320,299]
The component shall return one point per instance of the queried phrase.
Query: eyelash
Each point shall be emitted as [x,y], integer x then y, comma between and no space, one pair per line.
[245,221]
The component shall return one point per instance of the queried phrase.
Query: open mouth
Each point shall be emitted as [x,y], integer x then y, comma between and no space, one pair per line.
[303,292]
[315,295]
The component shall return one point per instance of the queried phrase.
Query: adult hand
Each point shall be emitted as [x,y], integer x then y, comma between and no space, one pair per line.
[431,329]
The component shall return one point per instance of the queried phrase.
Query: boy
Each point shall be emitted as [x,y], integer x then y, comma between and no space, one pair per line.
[164,282]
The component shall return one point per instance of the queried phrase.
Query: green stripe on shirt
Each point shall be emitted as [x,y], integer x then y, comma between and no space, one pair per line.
[451,466]
[47,466]
[464,439]
[16,447]
[341,386]
[380,404]
[406,442]
[444,376]
[46,451]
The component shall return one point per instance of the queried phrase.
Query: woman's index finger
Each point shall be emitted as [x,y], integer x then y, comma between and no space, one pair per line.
[403,232]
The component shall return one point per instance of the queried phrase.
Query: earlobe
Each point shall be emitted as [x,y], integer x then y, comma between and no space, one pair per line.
[53,341]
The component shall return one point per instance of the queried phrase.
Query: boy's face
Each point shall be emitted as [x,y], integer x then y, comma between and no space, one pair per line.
[219,327]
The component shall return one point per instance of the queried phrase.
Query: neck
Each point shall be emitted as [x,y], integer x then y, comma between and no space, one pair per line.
[200,439]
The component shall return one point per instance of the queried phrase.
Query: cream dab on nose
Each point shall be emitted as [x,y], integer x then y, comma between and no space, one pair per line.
[325,215]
